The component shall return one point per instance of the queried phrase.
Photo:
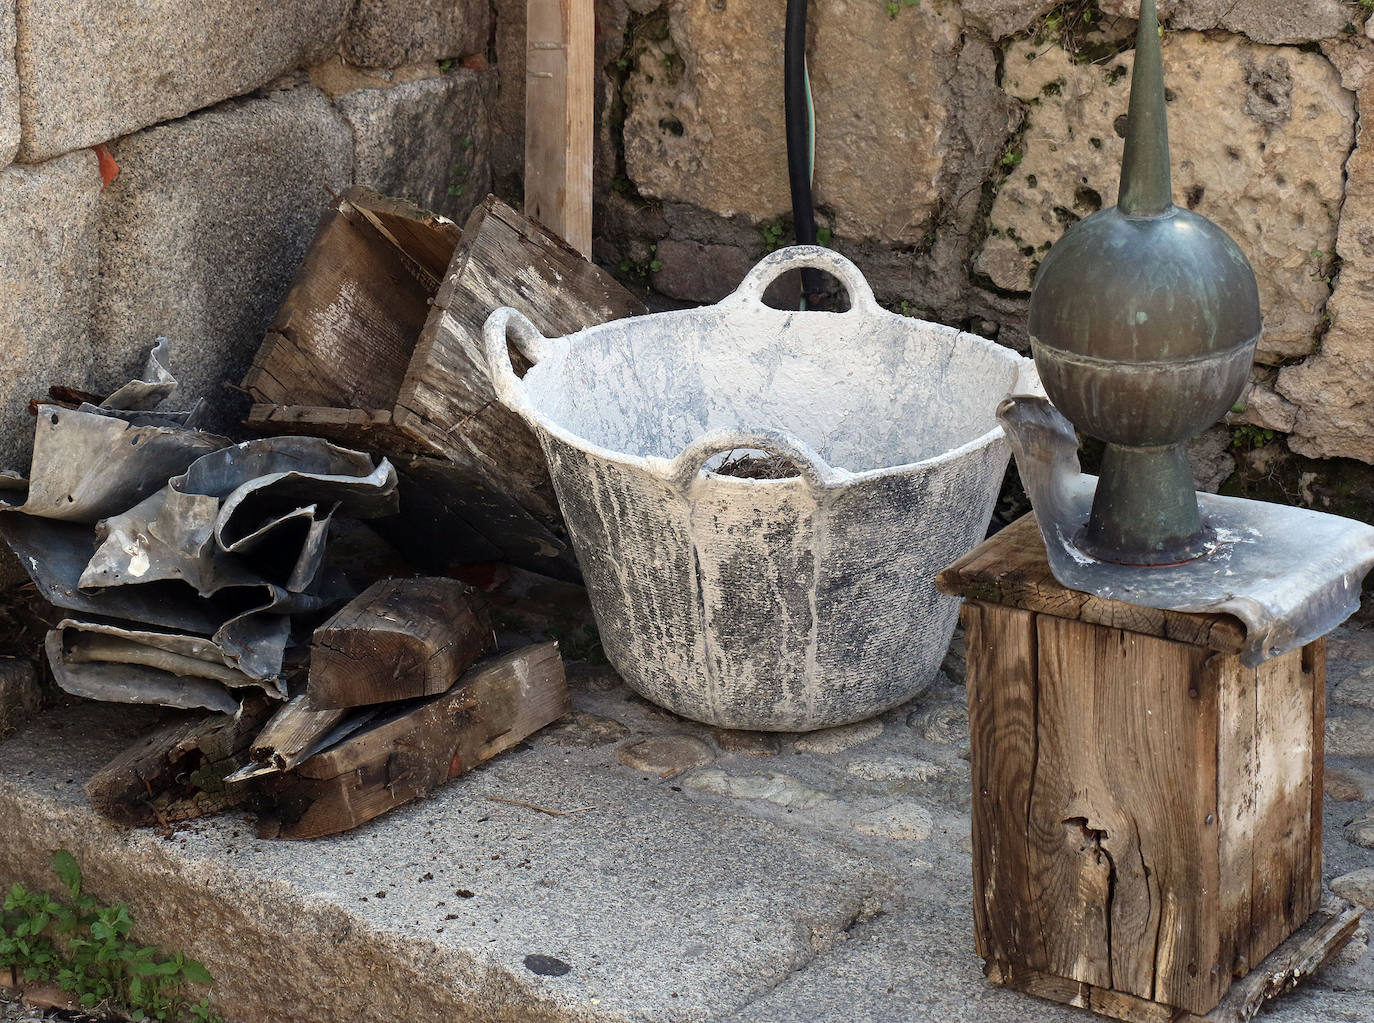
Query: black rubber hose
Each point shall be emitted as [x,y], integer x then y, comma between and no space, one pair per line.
[799,130]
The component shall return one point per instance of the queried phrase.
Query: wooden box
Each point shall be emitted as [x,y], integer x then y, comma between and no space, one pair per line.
[1146,810]
[378,345]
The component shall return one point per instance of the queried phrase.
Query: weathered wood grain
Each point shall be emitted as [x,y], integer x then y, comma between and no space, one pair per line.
[1002,693]
[286,739]
[446,400]
[560,48]
[1013,572]
[424,743]
[1281,891]
[1324,934]
[345,334]
[398,639]
[177,772]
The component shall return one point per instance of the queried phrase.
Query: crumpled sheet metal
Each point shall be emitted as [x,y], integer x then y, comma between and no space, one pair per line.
[147,394]
[112,661]
[248,622]
[128,683]
[88,465]
[1289,574]
[246,514]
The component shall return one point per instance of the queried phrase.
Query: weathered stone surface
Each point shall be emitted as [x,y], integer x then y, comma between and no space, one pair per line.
[1261,406]
[698,130]
[1355,690]
[1357,886]
[895,769]
[427,141]
[9,84]
[666,754]
[1361,831]
[47,288]
[1345,785]
[779,789]
[92,70]
[1254,131]
[700,273]
[1331,389]
[1350,734]
[1264,21]
[389,33]
[668,908]
[202,231]
[905,822]
[19,692]
[944,723]
[837,740]
[1004,17]
[1210,458]
[749,744]
[508,141]
[582,729]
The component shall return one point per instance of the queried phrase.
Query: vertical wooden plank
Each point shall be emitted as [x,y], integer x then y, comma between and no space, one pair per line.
[559,72]
[1237,776]
[1123,836]
[1002,695]
[1070,822]
[1313,663]
[1283,828]
[1163,705]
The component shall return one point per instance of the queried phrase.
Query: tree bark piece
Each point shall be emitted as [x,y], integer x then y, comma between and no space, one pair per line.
[398,639]
[424,744]
[177,773]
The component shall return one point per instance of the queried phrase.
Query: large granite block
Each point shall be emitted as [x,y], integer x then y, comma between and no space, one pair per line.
[202,231]
[390,33]
[92,70]
[47,284]
[9,84]
[427,141]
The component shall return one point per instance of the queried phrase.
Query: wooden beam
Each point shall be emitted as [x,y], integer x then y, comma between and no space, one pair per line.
[398,639]
[414,750]
[559,71]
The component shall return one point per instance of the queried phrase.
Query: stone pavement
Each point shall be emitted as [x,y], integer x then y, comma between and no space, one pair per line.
[691,874]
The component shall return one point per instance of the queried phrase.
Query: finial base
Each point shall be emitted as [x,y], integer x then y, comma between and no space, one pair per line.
[1145,511]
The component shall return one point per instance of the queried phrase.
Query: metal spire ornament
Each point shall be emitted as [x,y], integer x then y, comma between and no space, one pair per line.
[1143,324]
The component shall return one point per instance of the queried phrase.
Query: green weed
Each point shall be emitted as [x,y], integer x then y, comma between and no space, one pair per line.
[86,949]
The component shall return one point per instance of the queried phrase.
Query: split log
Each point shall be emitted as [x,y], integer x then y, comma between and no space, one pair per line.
[290,735]
[399,639]
[407,755]
[177,773]
[416,388]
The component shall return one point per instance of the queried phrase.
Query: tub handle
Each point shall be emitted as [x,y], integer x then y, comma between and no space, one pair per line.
[813,257]
[685,468]
[503,324]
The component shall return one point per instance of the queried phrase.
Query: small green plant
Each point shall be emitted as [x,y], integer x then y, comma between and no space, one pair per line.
[1248,437]
[774,235]
[894,7]
[446,64]
[824,236]
[86,949]
[1011,159]
[642,268]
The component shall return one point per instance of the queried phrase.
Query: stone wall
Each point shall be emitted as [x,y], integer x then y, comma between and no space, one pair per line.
[230,130]
[957,140]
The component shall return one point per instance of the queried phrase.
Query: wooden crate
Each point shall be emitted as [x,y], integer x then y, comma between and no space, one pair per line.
[379,345]
[1146,810]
